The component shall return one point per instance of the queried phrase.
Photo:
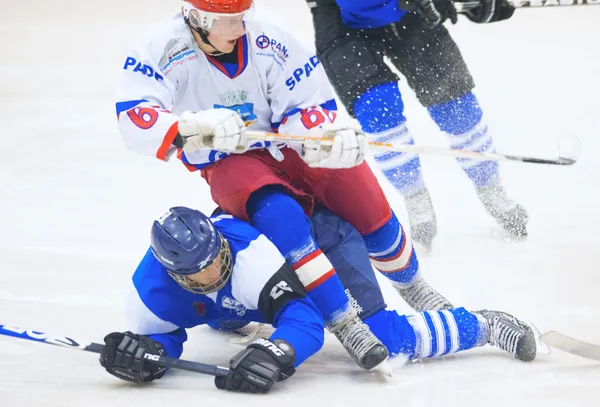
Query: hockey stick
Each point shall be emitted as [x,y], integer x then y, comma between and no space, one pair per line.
[567,159]
[462,6]
[571,345]
[70,343]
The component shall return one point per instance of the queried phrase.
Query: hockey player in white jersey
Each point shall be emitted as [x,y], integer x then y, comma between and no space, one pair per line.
[223,272]
[192,84]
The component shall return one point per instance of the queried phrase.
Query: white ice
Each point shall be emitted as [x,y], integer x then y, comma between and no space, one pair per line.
[76,208]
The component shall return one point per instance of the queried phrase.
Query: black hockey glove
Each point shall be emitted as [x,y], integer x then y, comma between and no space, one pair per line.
[259,366]
[425,9]
[447,10]
[490,11]
[123,357]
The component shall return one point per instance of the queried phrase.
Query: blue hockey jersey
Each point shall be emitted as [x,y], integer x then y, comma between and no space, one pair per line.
[370,13]
[161,309]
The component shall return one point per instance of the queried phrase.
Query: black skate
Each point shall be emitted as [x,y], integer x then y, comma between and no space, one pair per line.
[420,296]
[509,334]
[359,341]
[421,216]
[510,215]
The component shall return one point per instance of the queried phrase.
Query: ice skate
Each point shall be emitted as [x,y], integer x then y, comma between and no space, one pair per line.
[509,334]
[510,215]
[359,341]
[420,296]
[421,216]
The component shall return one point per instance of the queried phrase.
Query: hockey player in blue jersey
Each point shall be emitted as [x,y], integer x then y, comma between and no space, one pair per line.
[223,272]
[352,39]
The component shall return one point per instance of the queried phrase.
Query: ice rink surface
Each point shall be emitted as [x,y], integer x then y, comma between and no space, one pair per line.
[76,208]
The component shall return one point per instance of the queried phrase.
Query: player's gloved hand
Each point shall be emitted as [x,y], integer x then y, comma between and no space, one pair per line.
[424,8]
[447,10]
[258,367]
[123,357]
[345,148]
[490,11]
[217,129]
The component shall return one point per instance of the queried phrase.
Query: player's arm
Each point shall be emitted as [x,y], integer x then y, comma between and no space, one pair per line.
[123,354]
[144,99]
[303,103]
[272,287]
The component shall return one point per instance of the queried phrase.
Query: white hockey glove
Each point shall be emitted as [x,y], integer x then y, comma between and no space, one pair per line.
[217,129]
[347,149]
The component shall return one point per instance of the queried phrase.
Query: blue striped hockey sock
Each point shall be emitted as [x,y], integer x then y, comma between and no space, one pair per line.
[380,114]
[461,119]
[430,333]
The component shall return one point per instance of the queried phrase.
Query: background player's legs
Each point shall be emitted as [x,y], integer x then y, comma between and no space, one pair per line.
[436,71]
[353,60]
[380,111]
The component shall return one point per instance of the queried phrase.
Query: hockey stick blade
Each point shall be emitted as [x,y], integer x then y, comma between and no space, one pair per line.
[41,337]
[571,345]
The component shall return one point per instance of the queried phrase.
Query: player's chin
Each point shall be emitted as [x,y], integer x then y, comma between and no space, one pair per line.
[227,46]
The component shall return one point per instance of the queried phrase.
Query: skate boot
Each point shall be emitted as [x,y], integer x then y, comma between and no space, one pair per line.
[510,215]
[421,216]
[509,334]
[359,341]
[420,296]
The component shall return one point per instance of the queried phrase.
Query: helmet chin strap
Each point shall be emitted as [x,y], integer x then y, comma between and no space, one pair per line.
[204,37]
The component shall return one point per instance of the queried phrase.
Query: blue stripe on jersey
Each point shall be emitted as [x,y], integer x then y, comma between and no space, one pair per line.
[130,104]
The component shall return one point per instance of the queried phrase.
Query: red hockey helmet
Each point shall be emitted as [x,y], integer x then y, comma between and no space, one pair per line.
[221,17]
[222,6]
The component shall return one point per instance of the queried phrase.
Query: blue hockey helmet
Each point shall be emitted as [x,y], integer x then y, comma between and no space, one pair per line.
[186,242]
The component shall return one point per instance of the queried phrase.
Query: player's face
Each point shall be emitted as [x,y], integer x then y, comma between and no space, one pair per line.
[210,275]
[225,32]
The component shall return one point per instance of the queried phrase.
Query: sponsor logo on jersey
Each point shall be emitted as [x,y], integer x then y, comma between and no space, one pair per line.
[246,111]
[302,72]
[237,100]
[132,63]
[177,52]
[279,288]
[272,48]
[234,305]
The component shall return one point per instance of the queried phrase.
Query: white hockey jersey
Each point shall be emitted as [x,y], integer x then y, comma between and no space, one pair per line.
[275,84]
